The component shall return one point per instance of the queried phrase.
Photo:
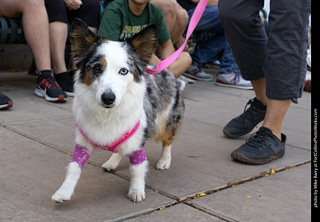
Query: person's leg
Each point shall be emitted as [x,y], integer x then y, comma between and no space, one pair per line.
[58,25]
[176,19]
[284,75]
[286,59]
[229,75]
[209,47]
[245,34]
[180,65]
[58,38]
[36,32]
[35,27]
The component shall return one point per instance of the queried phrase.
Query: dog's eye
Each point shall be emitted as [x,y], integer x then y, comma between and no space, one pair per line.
[96,69]
[123,71]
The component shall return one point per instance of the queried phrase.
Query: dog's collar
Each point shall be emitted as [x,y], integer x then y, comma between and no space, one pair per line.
[113,146]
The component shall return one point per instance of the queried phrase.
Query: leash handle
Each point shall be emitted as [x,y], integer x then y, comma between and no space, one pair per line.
[192,24]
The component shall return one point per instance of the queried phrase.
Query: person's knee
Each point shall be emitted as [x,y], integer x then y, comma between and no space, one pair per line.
[186,58]
[167,7]
[230,13]
[35,4]
[182,16]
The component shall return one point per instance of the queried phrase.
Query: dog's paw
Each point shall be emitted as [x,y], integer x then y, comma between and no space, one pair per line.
[110,165]
[136,195]
[61,195]
[163,164]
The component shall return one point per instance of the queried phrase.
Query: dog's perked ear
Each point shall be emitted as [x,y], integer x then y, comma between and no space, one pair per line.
[144,42]
[81,37]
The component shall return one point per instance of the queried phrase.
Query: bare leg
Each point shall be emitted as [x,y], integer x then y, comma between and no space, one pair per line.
[276,111]
[58,38]
[259,87]
[36,28]
[176,18]
[181,64]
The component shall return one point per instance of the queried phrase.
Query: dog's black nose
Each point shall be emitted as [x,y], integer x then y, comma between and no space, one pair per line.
[108,98]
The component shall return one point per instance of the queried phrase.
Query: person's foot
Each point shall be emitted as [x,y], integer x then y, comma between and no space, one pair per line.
[65,81]
[262,147]
[244,123]
[5,102]
[194,72]
[233,79]
[48,88]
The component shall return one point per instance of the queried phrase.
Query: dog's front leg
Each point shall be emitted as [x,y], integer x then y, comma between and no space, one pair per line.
[113,162]
[138,169]
[79,158]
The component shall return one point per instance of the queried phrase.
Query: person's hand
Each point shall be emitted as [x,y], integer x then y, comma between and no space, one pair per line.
[73,4]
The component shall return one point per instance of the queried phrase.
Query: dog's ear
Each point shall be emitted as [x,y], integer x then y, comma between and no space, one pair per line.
[144,42]
[81,37]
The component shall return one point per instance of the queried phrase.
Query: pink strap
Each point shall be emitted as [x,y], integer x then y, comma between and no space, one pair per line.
[192,24]
[112,147]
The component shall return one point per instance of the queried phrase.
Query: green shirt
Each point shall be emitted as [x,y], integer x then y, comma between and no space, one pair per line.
[118,22]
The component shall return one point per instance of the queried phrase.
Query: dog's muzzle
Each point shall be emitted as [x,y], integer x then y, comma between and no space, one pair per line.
[108,99]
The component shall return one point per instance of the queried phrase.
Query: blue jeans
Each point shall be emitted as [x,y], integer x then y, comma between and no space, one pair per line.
[215,44]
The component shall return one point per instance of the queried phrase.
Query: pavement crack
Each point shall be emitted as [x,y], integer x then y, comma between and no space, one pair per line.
[241,181]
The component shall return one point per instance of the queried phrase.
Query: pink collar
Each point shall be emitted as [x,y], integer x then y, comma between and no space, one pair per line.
[113,146]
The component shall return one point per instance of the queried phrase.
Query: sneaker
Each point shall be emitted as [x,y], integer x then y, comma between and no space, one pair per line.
[181,84]
[262,147]
[233,79]
[244,123]
[48,88]
[5,102]
[65,81]
[194,72]
[187,80]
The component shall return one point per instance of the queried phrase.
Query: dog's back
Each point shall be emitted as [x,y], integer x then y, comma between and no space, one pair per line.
[164,106]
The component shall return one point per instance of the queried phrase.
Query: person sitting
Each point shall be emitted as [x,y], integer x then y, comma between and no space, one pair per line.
[36,32]
[123,18]
[60,13]
[211,47]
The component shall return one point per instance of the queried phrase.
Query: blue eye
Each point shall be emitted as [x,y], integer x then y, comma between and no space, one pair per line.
[123,71]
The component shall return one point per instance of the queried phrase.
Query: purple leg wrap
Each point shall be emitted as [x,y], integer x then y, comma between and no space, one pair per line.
[138,157]
[80,155]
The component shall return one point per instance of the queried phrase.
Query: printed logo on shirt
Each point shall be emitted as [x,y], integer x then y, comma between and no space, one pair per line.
[129,31]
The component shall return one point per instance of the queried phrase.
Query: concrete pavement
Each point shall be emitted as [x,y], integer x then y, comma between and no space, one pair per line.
[203,183]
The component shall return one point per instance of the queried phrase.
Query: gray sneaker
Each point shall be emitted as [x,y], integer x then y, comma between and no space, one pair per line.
[195,73]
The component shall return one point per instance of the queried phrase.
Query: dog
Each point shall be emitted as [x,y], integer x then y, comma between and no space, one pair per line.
[117,106]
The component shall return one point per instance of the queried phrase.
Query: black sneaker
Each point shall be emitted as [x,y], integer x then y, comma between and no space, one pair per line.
[5,102]
[48,88]
[262,147]
[65,81]
[244,123]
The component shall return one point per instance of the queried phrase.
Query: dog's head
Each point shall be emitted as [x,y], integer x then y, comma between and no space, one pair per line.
[109,68]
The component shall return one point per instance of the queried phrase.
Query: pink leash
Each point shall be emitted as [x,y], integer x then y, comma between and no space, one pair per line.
[192,24]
